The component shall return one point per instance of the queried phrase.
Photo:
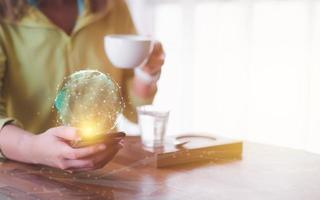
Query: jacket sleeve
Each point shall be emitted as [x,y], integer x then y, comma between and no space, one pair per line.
[131,100]
[4,119]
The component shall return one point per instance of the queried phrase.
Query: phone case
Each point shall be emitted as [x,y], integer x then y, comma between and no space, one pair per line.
[105,138]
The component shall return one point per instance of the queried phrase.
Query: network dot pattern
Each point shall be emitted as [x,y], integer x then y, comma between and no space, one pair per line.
[90,101]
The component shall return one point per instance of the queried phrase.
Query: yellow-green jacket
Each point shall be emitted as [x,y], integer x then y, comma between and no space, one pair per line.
[35,56]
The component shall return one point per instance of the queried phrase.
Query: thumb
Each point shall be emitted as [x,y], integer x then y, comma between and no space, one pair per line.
[67,133]
[157,49]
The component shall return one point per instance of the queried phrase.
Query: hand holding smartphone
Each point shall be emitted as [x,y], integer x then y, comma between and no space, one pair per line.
[108,138]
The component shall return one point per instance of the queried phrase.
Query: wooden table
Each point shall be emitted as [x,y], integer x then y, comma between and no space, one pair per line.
[265,172]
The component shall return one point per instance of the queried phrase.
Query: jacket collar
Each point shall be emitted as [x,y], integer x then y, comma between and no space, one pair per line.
[34,18]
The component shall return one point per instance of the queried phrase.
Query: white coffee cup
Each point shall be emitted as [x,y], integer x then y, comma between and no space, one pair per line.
[127,51]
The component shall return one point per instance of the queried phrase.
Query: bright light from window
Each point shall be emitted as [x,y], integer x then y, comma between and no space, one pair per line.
[243,69]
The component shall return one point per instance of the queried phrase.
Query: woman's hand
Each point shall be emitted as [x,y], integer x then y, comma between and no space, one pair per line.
[53,148]
[152,68]
[155,60]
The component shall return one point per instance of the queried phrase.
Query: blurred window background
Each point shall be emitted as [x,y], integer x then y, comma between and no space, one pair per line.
[247,69]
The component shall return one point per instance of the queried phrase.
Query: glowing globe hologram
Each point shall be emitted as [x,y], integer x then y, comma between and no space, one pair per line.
[90,101]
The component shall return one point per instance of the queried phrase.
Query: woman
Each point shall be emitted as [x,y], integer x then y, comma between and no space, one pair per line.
[43,41]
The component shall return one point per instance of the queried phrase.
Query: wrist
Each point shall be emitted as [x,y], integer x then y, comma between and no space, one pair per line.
[30,145]
[145,77]
[143,90]
[26,145]
[16,143]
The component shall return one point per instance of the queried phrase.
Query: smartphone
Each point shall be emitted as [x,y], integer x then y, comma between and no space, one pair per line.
[103,138]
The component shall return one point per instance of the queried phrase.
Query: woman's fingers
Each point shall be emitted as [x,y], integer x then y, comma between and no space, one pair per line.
[95,162]
[157,49]
[66,133]
[153,66]
[102,159]
[78,164]
[77,153]
[156,59]
[89,157]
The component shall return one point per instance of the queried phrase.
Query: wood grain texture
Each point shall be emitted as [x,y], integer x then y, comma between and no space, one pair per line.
[265,172]
[195,150]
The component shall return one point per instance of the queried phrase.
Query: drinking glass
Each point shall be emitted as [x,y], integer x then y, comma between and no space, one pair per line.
[152,123]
